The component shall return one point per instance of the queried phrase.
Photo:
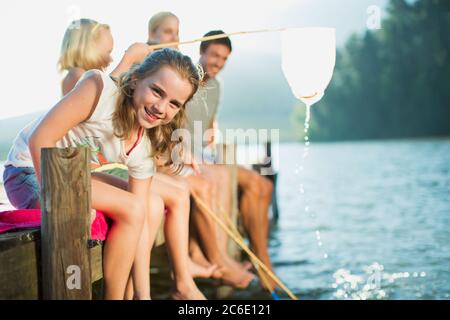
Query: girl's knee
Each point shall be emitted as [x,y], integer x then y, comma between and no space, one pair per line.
[206,188]
[156,205]
[179,198]
[136,211]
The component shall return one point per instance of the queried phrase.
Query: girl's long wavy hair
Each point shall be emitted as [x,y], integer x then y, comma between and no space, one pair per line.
[125,118]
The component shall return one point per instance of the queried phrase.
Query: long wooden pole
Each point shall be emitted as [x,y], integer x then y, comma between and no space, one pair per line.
[244,247]
[218,36]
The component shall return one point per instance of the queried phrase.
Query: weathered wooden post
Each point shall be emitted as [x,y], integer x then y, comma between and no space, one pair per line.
[271,175]
[273,178]
[65,223]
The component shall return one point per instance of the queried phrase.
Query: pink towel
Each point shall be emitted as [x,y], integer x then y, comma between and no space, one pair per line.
[31,218]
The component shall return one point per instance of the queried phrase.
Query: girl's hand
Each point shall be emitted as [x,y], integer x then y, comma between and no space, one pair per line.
[136,53]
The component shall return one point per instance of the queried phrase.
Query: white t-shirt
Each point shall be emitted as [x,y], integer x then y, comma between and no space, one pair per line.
[97,133]
[204,105]
[201,111]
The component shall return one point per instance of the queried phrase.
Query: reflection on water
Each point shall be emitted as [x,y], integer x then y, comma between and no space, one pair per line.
[370,285]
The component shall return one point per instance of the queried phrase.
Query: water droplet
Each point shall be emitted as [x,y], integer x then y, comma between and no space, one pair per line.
[325,256]
[319,243]
[306,138]
[423,274]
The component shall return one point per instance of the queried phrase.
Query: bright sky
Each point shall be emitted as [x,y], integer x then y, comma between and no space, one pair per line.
[31,33]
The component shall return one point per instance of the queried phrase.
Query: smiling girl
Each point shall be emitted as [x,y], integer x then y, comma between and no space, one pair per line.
[128,122]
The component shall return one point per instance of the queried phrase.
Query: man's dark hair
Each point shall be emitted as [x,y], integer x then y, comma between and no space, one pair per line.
[225,41]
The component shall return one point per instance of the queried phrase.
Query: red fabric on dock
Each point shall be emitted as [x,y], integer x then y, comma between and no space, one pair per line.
[31,218]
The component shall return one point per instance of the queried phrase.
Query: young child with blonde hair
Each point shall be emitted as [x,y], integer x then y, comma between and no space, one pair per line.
[87,44]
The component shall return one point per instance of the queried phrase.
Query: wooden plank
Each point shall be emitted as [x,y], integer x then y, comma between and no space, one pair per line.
[14,239]
[20,274]
[65,223]
[96,257]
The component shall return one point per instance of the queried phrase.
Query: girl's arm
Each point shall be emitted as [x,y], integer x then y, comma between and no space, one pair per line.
[71,79]
[74,108]
[136,53]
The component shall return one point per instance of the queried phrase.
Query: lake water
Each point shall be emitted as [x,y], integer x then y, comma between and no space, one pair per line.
[363,220]
[377,223]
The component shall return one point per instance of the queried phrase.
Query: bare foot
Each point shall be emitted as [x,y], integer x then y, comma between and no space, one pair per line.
[197,257]
[187,291]
[200,271]
[247,265]
[234,274]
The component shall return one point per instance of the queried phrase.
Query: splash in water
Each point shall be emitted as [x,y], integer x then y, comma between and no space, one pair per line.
[374,283]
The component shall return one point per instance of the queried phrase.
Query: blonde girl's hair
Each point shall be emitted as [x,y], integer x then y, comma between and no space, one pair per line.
[157,19]
[78,47]
[125,117]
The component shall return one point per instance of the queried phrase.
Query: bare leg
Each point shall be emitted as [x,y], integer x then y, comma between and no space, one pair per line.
[221,176]
[206,229]
[138,286]
[255,201]
[197,257]
[175,194]
[128,216]
[140,272]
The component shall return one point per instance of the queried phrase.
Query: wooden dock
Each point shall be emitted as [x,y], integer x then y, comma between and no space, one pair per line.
[58,261]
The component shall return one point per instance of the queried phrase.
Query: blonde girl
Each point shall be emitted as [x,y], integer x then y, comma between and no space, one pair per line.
[87,44]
